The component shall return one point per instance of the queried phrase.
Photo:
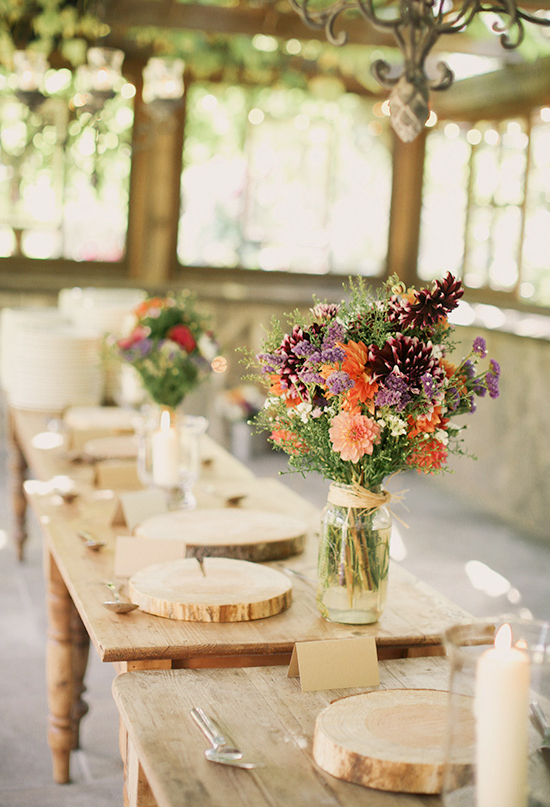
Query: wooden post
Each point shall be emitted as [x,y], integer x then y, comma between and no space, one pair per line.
[154,193]
[406,205]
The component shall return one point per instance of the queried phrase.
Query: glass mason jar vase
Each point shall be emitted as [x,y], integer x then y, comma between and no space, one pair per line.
[352,572]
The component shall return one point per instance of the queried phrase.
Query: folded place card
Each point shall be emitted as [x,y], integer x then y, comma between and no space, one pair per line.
[335,663]
[133,554]
[117,474]
[138,505]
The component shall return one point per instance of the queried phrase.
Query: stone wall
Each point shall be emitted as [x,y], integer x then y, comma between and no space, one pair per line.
[510,437]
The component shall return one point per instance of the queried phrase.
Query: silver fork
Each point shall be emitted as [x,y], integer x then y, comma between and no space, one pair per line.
[542,724]
[220,752]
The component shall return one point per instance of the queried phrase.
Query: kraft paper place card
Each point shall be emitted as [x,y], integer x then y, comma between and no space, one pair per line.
[137,505]
[133,553]
[335,664]
[117,474]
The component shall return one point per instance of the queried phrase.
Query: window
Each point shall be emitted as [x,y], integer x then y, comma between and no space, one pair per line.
[485,209]
[64,178]
[279,179]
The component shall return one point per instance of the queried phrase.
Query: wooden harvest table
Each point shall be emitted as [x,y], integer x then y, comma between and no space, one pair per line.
[266,715]
[412,624]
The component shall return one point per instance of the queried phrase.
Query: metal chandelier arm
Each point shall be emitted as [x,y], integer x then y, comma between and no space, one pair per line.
[416,26]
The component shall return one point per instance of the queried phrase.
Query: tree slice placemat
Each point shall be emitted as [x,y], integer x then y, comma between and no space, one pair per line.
[228,591]
[244,534]
[390,739]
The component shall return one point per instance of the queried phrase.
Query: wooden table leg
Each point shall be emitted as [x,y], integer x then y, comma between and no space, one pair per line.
[59,671]
[81,651]
[137,792]
[17,469]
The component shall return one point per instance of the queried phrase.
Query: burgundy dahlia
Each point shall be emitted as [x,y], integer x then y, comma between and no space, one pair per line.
[431,305]
[289,364]
[408,358]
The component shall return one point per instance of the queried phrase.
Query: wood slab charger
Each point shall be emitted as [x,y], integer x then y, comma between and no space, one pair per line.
[389,739]
[243,534]
[228,591]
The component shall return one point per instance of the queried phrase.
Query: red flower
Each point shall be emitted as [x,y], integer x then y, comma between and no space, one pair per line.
[182,336]
[429,456]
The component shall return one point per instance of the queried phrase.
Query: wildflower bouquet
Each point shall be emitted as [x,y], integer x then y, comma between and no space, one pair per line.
[365,389]
[170,346]
[358,392]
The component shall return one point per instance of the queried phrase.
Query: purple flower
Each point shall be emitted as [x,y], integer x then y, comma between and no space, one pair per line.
[480,347]
[494,368]
[428,385]
[469,369]
[304,349]
[393,392]
[311,377]
[452,398]
[334,333]
[339,382]
[144,347]
[331,355]
[387,397]
[492,385]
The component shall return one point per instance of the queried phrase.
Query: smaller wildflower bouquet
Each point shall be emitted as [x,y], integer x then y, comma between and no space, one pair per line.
[171,347]
[363,390]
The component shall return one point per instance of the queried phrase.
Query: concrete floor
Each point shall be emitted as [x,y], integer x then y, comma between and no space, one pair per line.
[482,565]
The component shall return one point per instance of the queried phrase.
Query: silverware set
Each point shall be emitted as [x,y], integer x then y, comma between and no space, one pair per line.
[221,751]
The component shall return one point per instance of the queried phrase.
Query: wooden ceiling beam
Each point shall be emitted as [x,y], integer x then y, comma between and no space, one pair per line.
[248,21]
[514,90]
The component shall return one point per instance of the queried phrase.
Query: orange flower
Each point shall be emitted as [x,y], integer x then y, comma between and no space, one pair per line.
[143,308]
[356,366]
[353,435]
[427,423]
[290,397]
[448,366]
[289,441]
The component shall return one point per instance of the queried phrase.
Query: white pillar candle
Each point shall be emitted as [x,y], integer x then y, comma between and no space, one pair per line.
[165,454]
[501,714]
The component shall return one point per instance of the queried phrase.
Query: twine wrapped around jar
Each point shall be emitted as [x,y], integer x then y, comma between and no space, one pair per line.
[358,497]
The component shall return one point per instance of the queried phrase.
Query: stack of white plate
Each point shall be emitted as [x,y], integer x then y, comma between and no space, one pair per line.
[53,366]
[101,310]
[11,319]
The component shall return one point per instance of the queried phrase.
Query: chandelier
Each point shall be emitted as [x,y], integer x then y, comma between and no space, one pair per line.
[416,26]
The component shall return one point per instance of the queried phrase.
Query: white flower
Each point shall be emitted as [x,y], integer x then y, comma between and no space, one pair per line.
[207,347]
[442,436]
[396,425]
[303,410]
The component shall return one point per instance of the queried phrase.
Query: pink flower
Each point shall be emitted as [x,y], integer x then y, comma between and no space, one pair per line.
[353,435]
[139,333]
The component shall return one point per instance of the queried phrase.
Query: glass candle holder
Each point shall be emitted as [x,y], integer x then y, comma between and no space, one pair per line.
[169,454]
[500,677]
